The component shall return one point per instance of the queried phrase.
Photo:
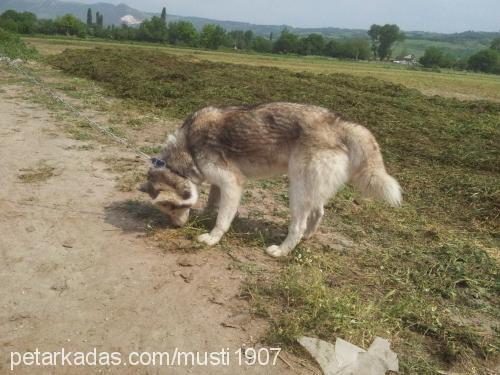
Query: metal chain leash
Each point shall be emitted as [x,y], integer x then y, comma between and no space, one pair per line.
[16,64]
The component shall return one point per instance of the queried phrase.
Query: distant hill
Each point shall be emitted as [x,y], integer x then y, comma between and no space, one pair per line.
[114,13]
[53,8]
[267,29]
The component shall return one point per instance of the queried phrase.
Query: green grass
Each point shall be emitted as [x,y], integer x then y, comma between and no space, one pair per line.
[424,276]
[15,48]
[445,83]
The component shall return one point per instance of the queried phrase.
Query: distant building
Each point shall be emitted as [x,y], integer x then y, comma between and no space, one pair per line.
[406,60]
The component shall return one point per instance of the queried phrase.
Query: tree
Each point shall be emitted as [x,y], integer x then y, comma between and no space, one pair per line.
[240,39]
[153,30]
[313,44]
[236,39]
[287,43]
[374,34]
[182,32]
[486,61]
[164,15]
[212,36]
[17,22]
[434,57]
[495,44]
[124,32]
[261,44]
[383,37]
[69,25]
[356,49]
[46,27]
[98,19]
[332,48]
[89,18]
[248,38]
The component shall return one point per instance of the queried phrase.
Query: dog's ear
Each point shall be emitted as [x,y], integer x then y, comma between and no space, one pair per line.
[171,139]
[167,146]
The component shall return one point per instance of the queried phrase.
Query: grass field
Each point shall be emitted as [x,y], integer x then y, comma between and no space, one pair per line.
[424,276]
[470,86]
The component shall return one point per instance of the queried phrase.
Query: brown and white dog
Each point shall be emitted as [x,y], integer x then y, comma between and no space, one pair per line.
[226,146]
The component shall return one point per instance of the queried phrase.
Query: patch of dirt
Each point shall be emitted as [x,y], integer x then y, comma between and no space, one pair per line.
[77,273]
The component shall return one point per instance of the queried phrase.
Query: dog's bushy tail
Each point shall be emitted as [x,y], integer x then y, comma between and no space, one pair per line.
[368,172]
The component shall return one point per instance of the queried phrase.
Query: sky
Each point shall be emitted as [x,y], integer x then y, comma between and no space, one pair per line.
[411,15]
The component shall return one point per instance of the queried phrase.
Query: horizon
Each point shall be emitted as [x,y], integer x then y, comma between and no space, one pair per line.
[451,16]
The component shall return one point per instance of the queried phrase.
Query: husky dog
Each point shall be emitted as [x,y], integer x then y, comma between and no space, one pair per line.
[225,146]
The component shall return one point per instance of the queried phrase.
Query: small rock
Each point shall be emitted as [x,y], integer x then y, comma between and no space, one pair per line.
[188,277]
[216,301]
[184,262]
[68,244]
[332,282]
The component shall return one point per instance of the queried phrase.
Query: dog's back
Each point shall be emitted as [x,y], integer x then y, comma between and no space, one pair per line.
[258,139]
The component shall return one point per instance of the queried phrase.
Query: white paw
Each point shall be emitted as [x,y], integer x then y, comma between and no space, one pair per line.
[208,239]
[276,251]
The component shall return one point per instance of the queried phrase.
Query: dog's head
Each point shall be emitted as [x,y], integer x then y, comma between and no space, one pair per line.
[173,194]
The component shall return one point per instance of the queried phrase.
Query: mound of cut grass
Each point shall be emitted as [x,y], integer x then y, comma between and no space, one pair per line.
[425,276]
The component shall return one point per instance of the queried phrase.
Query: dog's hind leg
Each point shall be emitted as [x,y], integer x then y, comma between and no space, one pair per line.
[300,206]
[231,188]
[312,183]
[296,228]
[313,221]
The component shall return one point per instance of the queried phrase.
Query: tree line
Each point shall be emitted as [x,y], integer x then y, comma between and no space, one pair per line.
[377,45]
[157,29]
[486,60]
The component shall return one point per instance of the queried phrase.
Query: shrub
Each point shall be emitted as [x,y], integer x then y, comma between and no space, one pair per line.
[12,46]
[486,61]
[434,57]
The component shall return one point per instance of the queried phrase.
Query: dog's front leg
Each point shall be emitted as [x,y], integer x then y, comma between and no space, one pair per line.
[230,195]
[213,198]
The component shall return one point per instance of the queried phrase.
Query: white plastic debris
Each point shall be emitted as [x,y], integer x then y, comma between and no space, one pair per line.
[344,358]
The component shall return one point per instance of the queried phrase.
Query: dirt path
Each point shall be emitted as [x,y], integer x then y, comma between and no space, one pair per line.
[77,274]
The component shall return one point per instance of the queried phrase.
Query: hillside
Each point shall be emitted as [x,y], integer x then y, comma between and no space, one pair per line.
[53,8]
